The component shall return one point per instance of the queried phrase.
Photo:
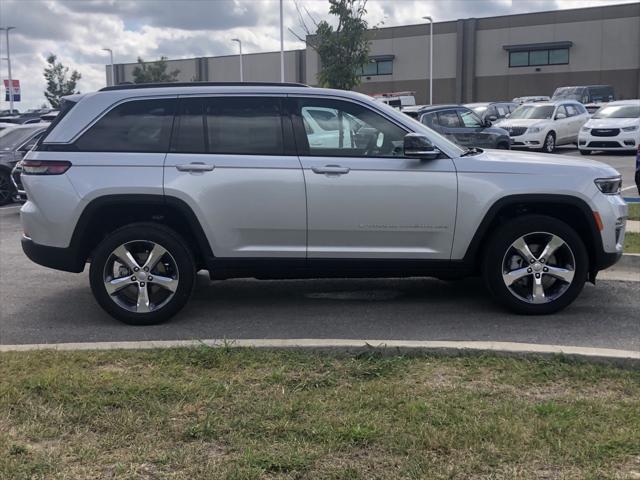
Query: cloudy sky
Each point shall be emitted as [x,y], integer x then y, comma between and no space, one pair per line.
[76,30]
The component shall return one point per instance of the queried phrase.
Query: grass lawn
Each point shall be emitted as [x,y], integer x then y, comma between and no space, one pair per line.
[247,414]
[631,242]
[634,211]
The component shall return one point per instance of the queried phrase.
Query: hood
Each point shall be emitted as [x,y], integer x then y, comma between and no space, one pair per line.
[519,122]
[532,163]
[612,122]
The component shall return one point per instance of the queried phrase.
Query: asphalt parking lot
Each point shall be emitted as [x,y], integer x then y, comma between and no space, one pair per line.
[39,305]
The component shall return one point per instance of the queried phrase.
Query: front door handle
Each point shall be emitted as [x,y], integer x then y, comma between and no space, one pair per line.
[331,170]
[195,167]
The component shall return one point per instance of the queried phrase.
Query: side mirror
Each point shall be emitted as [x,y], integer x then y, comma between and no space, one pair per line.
[488,122]
[493,118]
[507,115]
[419,146]
[560,116]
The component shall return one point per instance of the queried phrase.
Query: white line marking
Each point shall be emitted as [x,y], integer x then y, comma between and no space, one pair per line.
[507,347]
[628,188]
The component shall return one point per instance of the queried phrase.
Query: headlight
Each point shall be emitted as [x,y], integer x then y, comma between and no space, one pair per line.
[585,129]
[533,130]
[609,186]
[630,129]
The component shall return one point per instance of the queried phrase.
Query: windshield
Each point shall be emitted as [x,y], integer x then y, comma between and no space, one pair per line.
[573,93]
[479,109]
[11,138]
[538,112]
[618,111]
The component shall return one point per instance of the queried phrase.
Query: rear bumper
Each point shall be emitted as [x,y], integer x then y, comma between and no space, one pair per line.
[65,259]
[606,260]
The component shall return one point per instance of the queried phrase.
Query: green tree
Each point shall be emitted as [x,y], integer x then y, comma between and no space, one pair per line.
[343,50]
[154,72]
[59,83]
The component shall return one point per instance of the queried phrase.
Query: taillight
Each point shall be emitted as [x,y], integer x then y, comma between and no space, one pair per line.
[49,167]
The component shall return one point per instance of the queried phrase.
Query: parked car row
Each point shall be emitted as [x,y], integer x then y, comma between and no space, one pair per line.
[34,115]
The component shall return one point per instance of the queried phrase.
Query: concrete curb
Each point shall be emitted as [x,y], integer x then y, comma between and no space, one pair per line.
[607,355]
[10,210]
[629,261]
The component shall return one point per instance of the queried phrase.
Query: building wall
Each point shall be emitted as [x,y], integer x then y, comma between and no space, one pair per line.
[470,63]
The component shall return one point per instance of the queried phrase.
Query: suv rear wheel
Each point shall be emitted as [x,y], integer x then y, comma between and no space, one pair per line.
[6,188]
[142,274]
[535,265]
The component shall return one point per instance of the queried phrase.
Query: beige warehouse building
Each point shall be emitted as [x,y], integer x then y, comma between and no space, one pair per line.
[475,59]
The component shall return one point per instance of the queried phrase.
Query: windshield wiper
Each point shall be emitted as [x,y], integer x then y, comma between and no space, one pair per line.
[471,151]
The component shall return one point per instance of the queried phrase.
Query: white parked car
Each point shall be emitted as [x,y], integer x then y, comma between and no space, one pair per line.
[615,126]
[543,126]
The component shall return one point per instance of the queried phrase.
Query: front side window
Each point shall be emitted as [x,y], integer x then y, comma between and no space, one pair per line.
[229,125]
[572,111]
[347,129]
[469,119]
[135,126]
[561,111]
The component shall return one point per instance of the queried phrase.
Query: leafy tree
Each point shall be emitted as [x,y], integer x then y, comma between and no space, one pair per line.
[59,83]
[154,72]
[343,50]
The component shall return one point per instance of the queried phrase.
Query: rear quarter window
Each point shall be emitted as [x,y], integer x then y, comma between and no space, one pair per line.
[134,126]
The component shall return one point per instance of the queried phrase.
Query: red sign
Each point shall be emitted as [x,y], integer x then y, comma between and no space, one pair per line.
[15,90]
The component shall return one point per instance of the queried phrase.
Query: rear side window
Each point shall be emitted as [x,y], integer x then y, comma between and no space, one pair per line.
[449,119]
[231,125]
[136,126]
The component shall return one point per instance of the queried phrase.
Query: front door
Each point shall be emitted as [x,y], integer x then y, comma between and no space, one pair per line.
[364,199]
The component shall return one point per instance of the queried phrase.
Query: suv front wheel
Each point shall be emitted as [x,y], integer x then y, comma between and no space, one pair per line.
[535,265]
[142,274]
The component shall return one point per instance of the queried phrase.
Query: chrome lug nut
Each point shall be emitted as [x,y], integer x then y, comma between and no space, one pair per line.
[542,260]
[537,275]
[150,278]
[545,269]
[529,270]
[133,279]
[135,269]
[142,284]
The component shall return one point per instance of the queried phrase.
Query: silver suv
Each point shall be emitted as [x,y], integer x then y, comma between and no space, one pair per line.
[151,183]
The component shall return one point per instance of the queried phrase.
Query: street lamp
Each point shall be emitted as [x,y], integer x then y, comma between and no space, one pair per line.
[113,78]
[430,59]
[281,46]
[6,31]
[240,46]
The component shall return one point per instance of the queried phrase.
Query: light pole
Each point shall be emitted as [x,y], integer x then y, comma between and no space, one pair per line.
[281,46]
[240,46]
[6,31]
[113,78]
[430,59]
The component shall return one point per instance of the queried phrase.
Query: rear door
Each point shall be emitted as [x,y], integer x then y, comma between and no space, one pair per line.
[233,161]
[451,126]
[561,125]
[576,120]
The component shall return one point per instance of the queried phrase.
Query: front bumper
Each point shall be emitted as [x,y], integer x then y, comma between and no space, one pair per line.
[528,140]
[622,141]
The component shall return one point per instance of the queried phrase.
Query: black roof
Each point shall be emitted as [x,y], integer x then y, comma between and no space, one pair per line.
[132,86]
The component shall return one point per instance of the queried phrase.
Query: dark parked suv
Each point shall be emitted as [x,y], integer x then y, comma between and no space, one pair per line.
[460,125]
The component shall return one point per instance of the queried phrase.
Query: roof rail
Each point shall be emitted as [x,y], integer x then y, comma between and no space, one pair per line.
[132,86]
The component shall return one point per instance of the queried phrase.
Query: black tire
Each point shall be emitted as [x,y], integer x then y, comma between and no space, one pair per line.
[6,188]
[549,145]
[585,152]
[500,243]
[504,146]
[146,232]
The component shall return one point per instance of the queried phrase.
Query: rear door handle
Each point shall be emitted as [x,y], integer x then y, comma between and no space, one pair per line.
[331,170]
[195,167]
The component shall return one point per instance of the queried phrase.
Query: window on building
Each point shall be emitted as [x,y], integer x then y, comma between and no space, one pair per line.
[376,67]
[136,126]
[533,58]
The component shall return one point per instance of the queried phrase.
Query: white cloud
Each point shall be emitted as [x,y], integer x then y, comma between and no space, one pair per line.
[77,30]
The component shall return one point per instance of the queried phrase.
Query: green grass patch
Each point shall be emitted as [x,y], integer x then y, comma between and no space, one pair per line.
[632,242]
[634,211]
[253,414]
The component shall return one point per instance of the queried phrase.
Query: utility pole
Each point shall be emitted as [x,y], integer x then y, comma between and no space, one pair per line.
[6,31]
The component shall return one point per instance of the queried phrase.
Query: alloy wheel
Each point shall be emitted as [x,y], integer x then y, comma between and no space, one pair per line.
[5,189]
[141,276]
[538,267]
[550,144]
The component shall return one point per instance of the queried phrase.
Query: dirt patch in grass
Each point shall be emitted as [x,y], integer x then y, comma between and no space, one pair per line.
[256,414]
